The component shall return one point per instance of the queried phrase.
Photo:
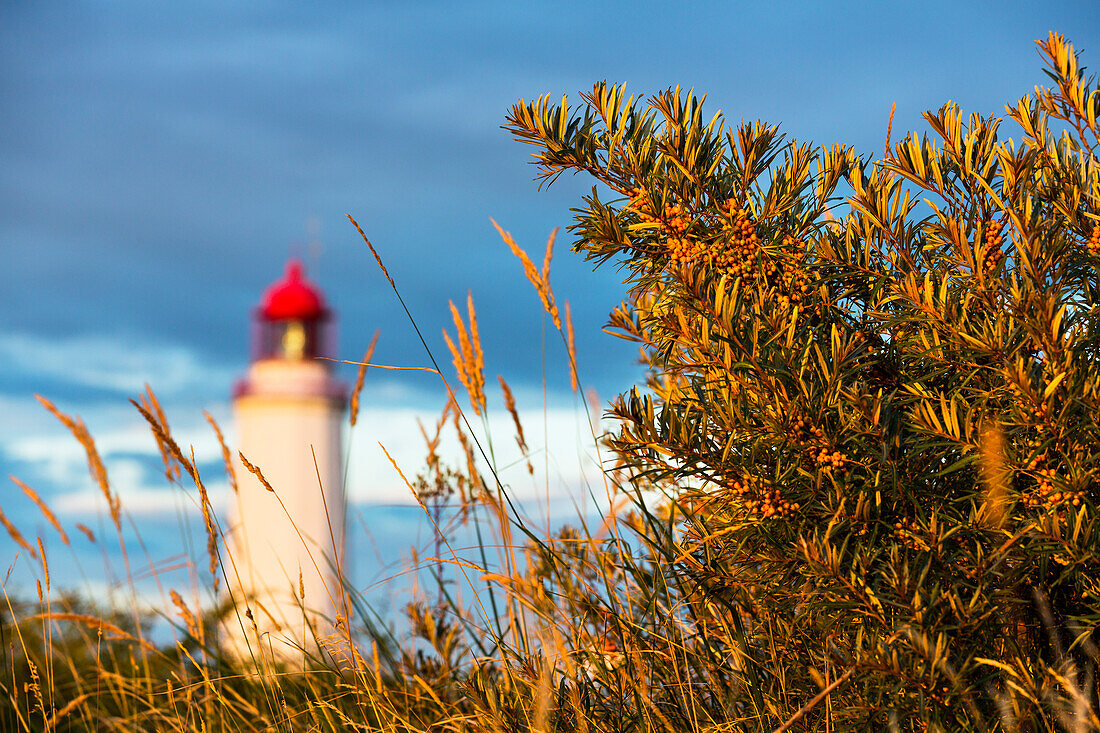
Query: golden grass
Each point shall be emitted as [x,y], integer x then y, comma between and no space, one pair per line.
[360,376]
[521,439]
[95,463]
[45,564]
[69,707]
[571,347]
[227,456]
[473,475]
[94,622]
[373,251]
[189,618]
[431,442]
[17,536]
[42,507]
[151,404]
[540,279]
[889,129]
[255,471]
[169,447]
[468,358]
[86,531]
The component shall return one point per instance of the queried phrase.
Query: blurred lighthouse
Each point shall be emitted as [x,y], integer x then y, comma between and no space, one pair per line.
[288,541]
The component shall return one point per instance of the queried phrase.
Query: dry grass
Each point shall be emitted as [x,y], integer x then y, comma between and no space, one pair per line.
[539,278]
[359,377]
[255,471]
[468,359]
[100,667]
[227,455]
[42,507]
[95,462]
[17,536]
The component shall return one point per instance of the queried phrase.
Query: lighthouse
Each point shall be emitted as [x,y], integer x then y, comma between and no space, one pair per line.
[287,537]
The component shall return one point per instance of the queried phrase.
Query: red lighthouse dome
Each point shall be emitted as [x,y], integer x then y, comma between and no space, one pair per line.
[293,298]
[292,322]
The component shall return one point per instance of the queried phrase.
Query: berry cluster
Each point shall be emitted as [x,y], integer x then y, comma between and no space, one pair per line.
[898,332]
[1029,404]
[909,533]
[860,338]
[795,281]
[763,502]
[1093,245]
[1046,494]
[739,257]
[738,252]
[673,222]
[804,430]
[1038,461]
[830,459]
[991,252]
[639,202]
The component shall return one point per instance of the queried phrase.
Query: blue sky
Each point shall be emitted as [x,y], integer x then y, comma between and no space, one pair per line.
[158,163]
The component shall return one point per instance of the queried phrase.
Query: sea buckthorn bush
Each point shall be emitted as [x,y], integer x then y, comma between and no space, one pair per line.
[873,399]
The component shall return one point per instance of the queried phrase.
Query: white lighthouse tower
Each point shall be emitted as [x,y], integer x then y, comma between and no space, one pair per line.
[287,542]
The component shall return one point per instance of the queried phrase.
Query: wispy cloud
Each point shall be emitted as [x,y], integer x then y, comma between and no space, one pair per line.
[563,453]
[141,494]
[109,363]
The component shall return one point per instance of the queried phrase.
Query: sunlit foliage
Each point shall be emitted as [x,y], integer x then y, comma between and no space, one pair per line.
[874,392]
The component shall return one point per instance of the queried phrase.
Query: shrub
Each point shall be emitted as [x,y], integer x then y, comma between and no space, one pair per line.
[874,394]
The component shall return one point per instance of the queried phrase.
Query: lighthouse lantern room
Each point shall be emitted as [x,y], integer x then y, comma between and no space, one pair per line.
[287,542]
[292,322]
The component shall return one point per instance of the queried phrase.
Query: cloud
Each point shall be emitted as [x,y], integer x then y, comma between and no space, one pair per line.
[563,456]
[110,363]
[563,453]
[119,433]
[132,481]
[39,450]
[42,451]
